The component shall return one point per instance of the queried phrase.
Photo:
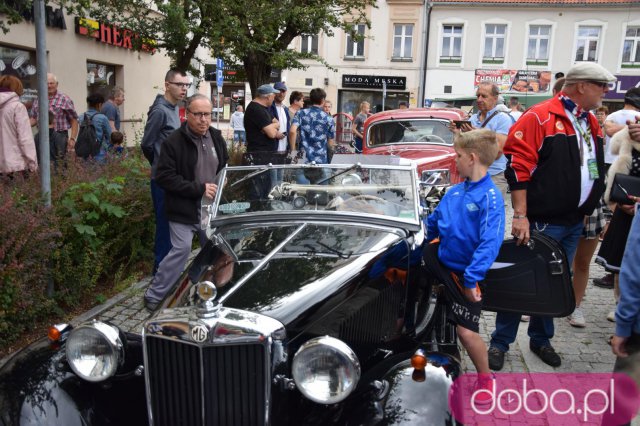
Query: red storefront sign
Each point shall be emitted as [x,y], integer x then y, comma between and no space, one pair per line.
[111,34]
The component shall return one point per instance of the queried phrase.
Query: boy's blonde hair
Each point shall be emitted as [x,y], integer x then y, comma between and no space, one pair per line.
[482,142]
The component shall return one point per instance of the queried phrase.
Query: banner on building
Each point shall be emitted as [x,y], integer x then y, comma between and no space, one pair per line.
[623,83]
[516,81]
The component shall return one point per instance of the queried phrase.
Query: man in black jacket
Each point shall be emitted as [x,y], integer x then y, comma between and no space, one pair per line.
[190,161]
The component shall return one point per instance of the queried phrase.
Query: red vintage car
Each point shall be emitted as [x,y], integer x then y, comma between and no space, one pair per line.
[419,134]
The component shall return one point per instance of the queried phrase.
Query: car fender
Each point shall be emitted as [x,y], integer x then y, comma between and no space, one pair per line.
[37,387]
[420,397]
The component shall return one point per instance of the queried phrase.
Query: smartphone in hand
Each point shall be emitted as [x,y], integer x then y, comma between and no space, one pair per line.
[460,123]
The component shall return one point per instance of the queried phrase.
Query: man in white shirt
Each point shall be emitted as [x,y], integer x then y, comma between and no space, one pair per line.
[281,113]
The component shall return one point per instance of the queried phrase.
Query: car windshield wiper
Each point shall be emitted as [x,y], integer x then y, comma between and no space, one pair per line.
[313,251]
[249,176]
[335,175]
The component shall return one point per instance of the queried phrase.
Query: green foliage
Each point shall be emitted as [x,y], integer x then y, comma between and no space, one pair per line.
[255,33]
[98,232]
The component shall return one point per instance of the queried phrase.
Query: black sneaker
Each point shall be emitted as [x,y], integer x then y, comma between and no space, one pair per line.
[547,354]
[496,358]
[604,282]
[151,305]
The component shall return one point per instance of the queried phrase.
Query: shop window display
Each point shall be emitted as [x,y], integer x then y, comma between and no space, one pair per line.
[22,64]
[101,78]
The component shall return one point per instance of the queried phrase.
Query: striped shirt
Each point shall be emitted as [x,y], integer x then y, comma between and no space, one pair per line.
[63,109]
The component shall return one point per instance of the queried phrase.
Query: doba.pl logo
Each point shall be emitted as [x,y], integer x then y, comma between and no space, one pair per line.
[563,398]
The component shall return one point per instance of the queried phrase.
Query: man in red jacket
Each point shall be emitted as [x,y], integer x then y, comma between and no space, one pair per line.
[555,170]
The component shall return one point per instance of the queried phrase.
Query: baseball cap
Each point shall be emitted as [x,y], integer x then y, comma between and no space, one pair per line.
[280,86]
[266,89]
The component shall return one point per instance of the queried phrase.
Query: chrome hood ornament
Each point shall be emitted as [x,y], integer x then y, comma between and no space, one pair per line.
[206,305]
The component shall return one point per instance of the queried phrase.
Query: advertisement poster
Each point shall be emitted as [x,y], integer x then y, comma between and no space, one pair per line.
[516,81]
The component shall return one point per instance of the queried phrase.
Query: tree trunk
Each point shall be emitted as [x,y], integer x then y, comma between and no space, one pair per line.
[257,69]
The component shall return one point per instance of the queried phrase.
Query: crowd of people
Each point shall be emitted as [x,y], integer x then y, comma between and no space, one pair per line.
[560,171]
[20,129]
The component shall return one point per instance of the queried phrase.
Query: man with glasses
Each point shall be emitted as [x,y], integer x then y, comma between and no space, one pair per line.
[555,170]
[162,120]
[187,170]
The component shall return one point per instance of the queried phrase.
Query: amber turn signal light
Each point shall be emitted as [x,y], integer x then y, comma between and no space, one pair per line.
[53,334]
[58,332]
[419,360]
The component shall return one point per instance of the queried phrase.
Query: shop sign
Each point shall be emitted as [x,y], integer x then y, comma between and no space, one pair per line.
[373,82]
[53,18]
[111,34]
[230,73]
[516,81]
[623,83]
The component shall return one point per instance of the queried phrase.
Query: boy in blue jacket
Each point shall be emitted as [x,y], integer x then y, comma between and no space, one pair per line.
[465,233]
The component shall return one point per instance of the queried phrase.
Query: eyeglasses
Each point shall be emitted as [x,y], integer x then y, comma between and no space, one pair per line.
[185,85]
[599,84]
[200,115]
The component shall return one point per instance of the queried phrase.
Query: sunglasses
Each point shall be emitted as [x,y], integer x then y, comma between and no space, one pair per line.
[599,84]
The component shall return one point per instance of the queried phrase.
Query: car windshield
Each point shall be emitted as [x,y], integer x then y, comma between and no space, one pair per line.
[408,130]
[384,191]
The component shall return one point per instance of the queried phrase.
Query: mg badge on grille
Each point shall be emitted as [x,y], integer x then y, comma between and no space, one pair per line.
[199,333]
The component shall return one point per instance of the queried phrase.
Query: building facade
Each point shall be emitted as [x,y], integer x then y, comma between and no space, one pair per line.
[384,68]
[87,56]
[521,45]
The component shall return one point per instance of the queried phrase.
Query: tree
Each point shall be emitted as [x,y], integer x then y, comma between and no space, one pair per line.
[12,11]
[256,33]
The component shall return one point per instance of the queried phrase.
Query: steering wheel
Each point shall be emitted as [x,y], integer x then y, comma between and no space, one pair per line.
[431,138]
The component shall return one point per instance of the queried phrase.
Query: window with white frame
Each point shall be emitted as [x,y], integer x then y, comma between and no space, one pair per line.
[402,41]
[494,43]
[587,43]
[451,43]
[309,44]
[538,44]
[355,48]
[631,48]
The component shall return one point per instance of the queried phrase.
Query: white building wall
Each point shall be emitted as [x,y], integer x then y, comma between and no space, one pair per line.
[564,21]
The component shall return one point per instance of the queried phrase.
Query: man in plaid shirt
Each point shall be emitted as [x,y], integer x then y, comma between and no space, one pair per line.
[65,113]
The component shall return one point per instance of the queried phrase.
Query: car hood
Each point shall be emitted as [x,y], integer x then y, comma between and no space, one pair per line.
[295,279]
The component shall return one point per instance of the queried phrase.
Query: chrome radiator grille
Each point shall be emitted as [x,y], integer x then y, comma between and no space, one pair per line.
[206,385]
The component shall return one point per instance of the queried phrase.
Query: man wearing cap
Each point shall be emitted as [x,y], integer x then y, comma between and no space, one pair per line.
[555,170]
[261,127]
[281,113]
[263,132]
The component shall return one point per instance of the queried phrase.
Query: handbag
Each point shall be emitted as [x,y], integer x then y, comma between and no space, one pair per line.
[623,186]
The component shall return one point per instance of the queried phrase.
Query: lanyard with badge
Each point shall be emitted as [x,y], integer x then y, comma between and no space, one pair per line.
[585,135]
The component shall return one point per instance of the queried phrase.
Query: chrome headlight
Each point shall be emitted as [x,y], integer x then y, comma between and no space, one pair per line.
[326,370]
[94,351]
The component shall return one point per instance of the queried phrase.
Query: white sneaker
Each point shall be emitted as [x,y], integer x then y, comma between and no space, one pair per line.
[611,316]
[576,319]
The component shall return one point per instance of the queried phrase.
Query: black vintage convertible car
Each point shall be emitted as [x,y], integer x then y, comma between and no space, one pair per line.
[306,306]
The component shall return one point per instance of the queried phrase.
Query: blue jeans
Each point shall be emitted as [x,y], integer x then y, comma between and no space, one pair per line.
[239,136]
[541,329]
[162,243]
[357,144]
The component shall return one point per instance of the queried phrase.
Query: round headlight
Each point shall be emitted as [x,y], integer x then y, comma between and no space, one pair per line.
[94,351]
[326,370]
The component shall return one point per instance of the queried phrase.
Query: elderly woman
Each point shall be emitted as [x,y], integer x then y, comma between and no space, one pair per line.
[17,148]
